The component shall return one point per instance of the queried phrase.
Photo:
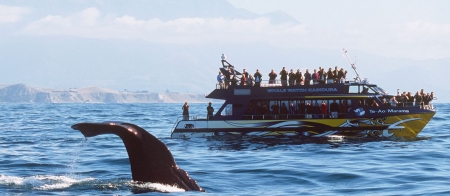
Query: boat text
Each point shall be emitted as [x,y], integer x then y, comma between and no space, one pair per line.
[301,90]
[388,111]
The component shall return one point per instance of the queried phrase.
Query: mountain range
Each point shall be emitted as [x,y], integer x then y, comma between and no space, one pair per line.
[20,93]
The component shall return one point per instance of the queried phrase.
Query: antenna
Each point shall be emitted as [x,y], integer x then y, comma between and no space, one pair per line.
[357,79]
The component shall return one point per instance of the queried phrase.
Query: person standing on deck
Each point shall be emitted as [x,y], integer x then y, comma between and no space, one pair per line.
[324,109]
[283,76]
[307,77]
[315,77]
[298,77]
[291,78]
[210,111]
[275,110]
[185,109]
[334,109]
[336,75]
[272,77]
[220,79]
[258,78]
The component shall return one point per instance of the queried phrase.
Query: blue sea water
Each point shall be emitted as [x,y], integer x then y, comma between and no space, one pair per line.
[41,155]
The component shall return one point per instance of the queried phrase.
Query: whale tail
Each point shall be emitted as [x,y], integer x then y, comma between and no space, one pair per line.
[150,159]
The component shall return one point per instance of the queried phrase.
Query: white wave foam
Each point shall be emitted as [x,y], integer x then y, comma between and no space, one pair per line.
[51,182]
[157,187]
[39,182]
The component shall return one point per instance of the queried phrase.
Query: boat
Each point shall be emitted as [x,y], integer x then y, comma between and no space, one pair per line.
[364,111]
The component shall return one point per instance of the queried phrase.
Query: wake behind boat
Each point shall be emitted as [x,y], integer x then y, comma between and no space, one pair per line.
[333,106]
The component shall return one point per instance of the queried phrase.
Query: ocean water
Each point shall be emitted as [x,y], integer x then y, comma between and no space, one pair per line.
[41,155]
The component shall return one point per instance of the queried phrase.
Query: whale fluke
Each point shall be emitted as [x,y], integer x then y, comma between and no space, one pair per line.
[150,159]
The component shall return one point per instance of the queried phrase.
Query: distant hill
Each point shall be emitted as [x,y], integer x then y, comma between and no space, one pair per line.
[20,93]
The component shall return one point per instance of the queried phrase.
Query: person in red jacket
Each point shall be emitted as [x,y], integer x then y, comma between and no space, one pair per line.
[324,109]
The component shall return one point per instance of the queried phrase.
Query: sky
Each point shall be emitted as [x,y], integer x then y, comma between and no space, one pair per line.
[416,29]
[121,45]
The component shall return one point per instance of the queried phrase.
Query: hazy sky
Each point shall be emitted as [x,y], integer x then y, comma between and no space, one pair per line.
[417,29]
[399,28]
[122,44]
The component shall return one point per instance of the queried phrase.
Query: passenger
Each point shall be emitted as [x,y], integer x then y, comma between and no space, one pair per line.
[410,99]
[291,78]
[244,72]
[272,77]
[359,104]
[283,111]
[393,102]
[426,101]
[330,75]
[258,78]
[423,95]
[336,75]
[316,110]
[220,80]
[307,77]
[266,110]
[185,109]
[315,77]
[308,110]
[250,80]
[404,99]
[258,110]
[365,90]
[275,110]
[324,109]
[418,99]
[344,108]
[283,76]
[210,111]
[243,80]
[227,78]
[291,108]
[342,74]
[431,97]
[301,108]
[399,100]
[322,76]
[298,77]
[334,109]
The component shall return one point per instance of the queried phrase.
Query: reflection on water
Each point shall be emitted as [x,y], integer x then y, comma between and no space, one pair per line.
[236,143]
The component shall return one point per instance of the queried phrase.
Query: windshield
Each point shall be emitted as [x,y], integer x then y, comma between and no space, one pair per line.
[378,90]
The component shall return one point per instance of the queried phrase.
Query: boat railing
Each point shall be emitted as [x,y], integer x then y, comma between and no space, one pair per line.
[191,118]
[291,116]
[176,123]
[420,105]
[263,83]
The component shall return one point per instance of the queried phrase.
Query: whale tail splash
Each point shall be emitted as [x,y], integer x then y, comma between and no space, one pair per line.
[150,159]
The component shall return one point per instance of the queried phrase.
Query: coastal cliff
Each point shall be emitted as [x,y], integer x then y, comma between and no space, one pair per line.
[20,93]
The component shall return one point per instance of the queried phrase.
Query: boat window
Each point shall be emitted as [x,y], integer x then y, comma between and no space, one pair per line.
[242,92]
[353,89]
[228,110]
